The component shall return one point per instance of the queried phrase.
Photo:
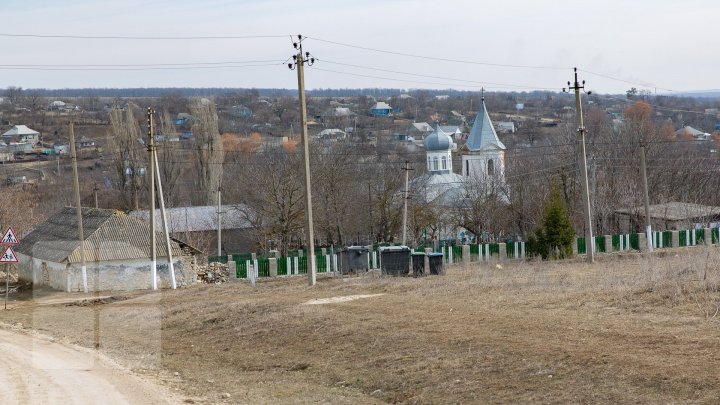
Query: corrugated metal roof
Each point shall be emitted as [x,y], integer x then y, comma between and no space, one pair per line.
[20,130]
[109,235]
[197,219]
[675,211]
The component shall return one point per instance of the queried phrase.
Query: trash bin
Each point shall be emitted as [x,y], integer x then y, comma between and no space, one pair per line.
[395,260]
[353,259]
[436,263]
[418,263]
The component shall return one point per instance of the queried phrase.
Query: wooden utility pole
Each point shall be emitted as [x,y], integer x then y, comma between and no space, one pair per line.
[76,185]
[407,169]
[589,242]
[163,216]
[646,198]
[300,61]
[153,248]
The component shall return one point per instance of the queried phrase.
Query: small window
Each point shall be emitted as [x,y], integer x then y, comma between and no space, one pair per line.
[435,163]
[444,163]
[467,168]
[491,168]
[429,164]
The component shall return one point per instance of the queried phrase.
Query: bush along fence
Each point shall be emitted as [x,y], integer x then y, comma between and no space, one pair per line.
[327,260]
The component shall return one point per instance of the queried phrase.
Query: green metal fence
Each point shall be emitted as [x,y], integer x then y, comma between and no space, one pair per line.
[457,253]
[510,250]
[600,244]
[667,239]
[581,249]
[241,269]
[475,253]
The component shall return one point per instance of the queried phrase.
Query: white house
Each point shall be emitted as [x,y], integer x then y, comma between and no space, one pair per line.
[117,253]
[22,134]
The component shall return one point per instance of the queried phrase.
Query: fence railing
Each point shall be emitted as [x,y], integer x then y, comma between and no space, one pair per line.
[296,264]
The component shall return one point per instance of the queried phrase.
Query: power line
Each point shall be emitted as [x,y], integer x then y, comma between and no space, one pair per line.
[435,77]
[140,64]
[278,63]
[623,80]
[143,38]
[425,57]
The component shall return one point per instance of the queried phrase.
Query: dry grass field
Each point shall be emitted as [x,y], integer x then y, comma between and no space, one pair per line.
[630,329]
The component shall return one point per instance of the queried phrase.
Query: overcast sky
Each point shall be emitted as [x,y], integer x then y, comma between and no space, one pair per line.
[646,44]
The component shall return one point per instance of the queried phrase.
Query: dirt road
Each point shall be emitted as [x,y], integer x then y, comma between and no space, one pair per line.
[36,370]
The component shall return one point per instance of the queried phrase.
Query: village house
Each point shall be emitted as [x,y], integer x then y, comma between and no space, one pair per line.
[670,216]
[117,253]
[22,134]
[198,225]
[85,143]
[381,109]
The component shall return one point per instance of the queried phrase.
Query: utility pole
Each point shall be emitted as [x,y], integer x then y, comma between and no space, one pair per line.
[646,199]
[407,169]
[153,248]
[589,242]
[163,216]
[299,64]
[372,232]
[76,185]
[95,193]
[219,222]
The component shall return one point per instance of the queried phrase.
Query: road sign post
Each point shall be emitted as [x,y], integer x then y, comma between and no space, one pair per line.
[8,256]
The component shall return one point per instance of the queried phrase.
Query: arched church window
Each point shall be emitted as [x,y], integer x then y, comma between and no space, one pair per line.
[444,163]
[435,163]
[429,163]
[467,168]
[491,168]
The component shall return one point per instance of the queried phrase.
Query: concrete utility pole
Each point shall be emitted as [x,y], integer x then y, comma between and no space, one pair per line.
[589,242]
[76,185]
[163,216]
[407,169]
[300,61]
[646,199]
[95,193]
[153,248]
[219,222]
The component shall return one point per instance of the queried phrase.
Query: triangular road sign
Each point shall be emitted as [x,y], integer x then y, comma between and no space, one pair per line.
[9,237]
[8,256]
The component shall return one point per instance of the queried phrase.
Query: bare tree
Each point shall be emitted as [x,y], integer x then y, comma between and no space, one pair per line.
[267,187]
[129,159]
[209,154]
[169,159]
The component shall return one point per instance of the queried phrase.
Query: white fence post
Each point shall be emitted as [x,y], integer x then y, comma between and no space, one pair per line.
[515,250]
[248,267]
[297,265]
[694,239]
[487,252]
[522,250]
[288,266]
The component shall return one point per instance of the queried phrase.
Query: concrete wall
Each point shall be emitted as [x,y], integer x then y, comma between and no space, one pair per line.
[105,276]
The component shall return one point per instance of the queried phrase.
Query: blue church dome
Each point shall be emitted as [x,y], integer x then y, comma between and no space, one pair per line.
[438,141]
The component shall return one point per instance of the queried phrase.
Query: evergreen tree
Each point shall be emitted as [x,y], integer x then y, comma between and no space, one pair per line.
[555,237]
